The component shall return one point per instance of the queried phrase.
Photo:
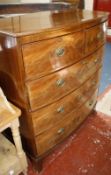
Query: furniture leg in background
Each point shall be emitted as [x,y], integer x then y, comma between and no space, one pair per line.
[12,157]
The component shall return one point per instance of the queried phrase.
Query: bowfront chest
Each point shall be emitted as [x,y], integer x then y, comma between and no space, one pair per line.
[50,67]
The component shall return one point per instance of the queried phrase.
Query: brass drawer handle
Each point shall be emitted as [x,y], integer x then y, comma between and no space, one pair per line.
[59,52]
[79,97]
[90,103]
[61,130]
[60,109]
[94,83]
[96,60]
[99,36]
[84,62]
[60,82]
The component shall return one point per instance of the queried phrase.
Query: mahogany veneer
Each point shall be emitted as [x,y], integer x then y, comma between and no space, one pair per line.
[50,66]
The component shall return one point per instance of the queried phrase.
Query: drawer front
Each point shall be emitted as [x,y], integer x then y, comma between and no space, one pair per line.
[47,117]
[95,37]
[54,136]
[53,87]
[44,57]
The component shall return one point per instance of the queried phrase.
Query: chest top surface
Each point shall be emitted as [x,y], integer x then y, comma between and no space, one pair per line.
[34,23]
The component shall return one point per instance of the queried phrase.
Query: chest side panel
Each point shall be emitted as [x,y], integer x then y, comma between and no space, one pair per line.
[12,70]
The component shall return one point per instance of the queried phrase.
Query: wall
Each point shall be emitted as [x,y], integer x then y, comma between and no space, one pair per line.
[41,1]
[9,1]
[89,4]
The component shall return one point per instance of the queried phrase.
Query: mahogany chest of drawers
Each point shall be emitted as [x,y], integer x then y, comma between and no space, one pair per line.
[50,66]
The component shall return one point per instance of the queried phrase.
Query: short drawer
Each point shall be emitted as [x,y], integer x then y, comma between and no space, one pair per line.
[95,37]
[44,57]
[53,87]
[52,137]
[47,117]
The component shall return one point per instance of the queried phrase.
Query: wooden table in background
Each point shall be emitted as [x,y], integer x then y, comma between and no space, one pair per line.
[12,158]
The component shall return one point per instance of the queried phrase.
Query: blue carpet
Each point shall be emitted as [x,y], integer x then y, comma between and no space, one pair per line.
[106,72]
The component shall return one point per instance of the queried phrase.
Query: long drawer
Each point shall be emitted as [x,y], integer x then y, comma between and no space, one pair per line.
[53,87]
[55,135]
[47,117]
[44,57]
[95,37]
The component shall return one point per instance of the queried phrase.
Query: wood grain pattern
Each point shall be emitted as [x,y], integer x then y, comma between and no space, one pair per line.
[56,54]
[95,37]
[47,60]
[11,70]
[53,87]
[59,132]
[49,24]
[49,116]
[6,116]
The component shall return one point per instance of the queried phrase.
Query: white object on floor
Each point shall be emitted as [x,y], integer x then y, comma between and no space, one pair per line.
[109,31]
[104,105]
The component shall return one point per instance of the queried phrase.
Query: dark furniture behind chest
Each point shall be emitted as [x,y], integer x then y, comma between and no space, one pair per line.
[50,66]
[102,5]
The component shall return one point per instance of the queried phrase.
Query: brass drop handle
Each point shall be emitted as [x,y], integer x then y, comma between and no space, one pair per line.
[96,60]
[59,52]
[79,97]
[84,62]
[60,109]
[60,82]
[99,35]
[94,83]
[90,103]
[61,130]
